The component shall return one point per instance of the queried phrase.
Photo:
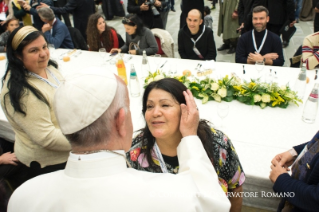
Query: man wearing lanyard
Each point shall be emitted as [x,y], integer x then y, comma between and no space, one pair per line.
[195,41]
[260,44]
[55,31]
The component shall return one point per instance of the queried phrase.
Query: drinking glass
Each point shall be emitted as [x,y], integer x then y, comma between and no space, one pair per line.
[102,53]
[222,110]
[173,69]
[157,60]
[259,65]
[51,49]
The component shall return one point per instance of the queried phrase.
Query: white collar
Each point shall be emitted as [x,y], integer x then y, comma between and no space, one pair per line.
[97,155]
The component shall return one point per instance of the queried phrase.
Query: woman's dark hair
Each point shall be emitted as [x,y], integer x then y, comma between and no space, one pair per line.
[134,20]
[17,83]
[207,10]
[93,35]
[175,88]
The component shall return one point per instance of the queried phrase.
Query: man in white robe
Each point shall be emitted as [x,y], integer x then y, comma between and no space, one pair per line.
[92,108]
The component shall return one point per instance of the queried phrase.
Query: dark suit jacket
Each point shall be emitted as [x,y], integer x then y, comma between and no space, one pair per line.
[60,36]
[245,11]
[81,10]
[280,11]
[306,196]
[33,11]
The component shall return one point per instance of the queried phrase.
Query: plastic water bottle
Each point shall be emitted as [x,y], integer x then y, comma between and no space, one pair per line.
[300,86]
[145,66]
[311,107]
[134,83]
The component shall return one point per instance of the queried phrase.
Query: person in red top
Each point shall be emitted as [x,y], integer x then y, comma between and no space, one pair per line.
[99,35]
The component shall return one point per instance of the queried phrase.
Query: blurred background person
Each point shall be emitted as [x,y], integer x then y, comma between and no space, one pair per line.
[81,10]
[20,13]
[55,31]
[144,11]
[31,8]
[11,24]
[100,35]
[138,37]
[208,19]
[66,18]
[315,5]
[228,24]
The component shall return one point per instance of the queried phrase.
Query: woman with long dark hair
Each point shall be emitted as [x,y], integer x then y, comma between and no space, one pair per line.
[29,86]
[138,37]
[99,35]
[154,149]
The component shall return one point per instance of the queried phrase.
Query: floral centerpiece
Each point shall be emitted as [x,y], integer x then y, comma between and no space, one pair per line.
[230,88]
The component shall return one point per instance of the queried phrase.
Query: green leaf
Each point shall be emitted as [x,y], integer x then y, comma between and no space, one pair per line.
[228,99]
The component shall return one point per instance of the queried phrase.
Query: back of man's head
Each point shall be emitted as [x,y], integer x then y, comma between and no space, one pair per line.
[86,105]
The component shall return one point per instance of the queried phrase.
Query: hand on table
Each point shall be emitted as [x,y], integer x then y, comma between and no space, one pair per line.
[285,159]
[190,115]
[9,158]
[42,5]
[46,27]
[276,170]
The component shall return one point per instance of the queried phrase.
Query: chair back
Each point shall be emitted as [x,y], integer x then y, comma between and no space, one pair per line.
[164,41]
[77,39]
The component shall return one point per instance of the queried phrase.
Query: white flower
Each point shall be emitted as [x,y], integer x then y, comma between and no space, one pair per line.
[289,95]
[217,98]
[214,86]
[222,92]
[158,77]
[265,98]
[263,105]
[257,98]
[283,87]
[150,80]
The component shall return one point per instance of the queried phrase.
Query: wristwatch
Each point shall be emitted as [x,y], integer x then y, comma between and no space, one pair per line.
[264,60]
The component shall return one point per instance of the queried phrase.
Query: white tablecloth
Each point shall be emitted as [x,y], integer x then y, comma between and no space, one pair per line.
[257,134]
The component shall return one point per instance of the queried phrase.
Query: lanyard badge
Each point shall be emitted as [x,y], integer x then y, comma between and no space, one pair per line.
[197,52]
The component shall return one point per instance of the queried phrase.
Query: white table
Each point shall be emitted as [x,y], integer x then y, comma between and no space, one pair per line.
[257,134]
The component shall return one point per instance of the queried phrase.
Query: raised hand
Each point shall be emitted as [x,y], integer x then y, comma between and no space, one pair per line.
[190,115]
